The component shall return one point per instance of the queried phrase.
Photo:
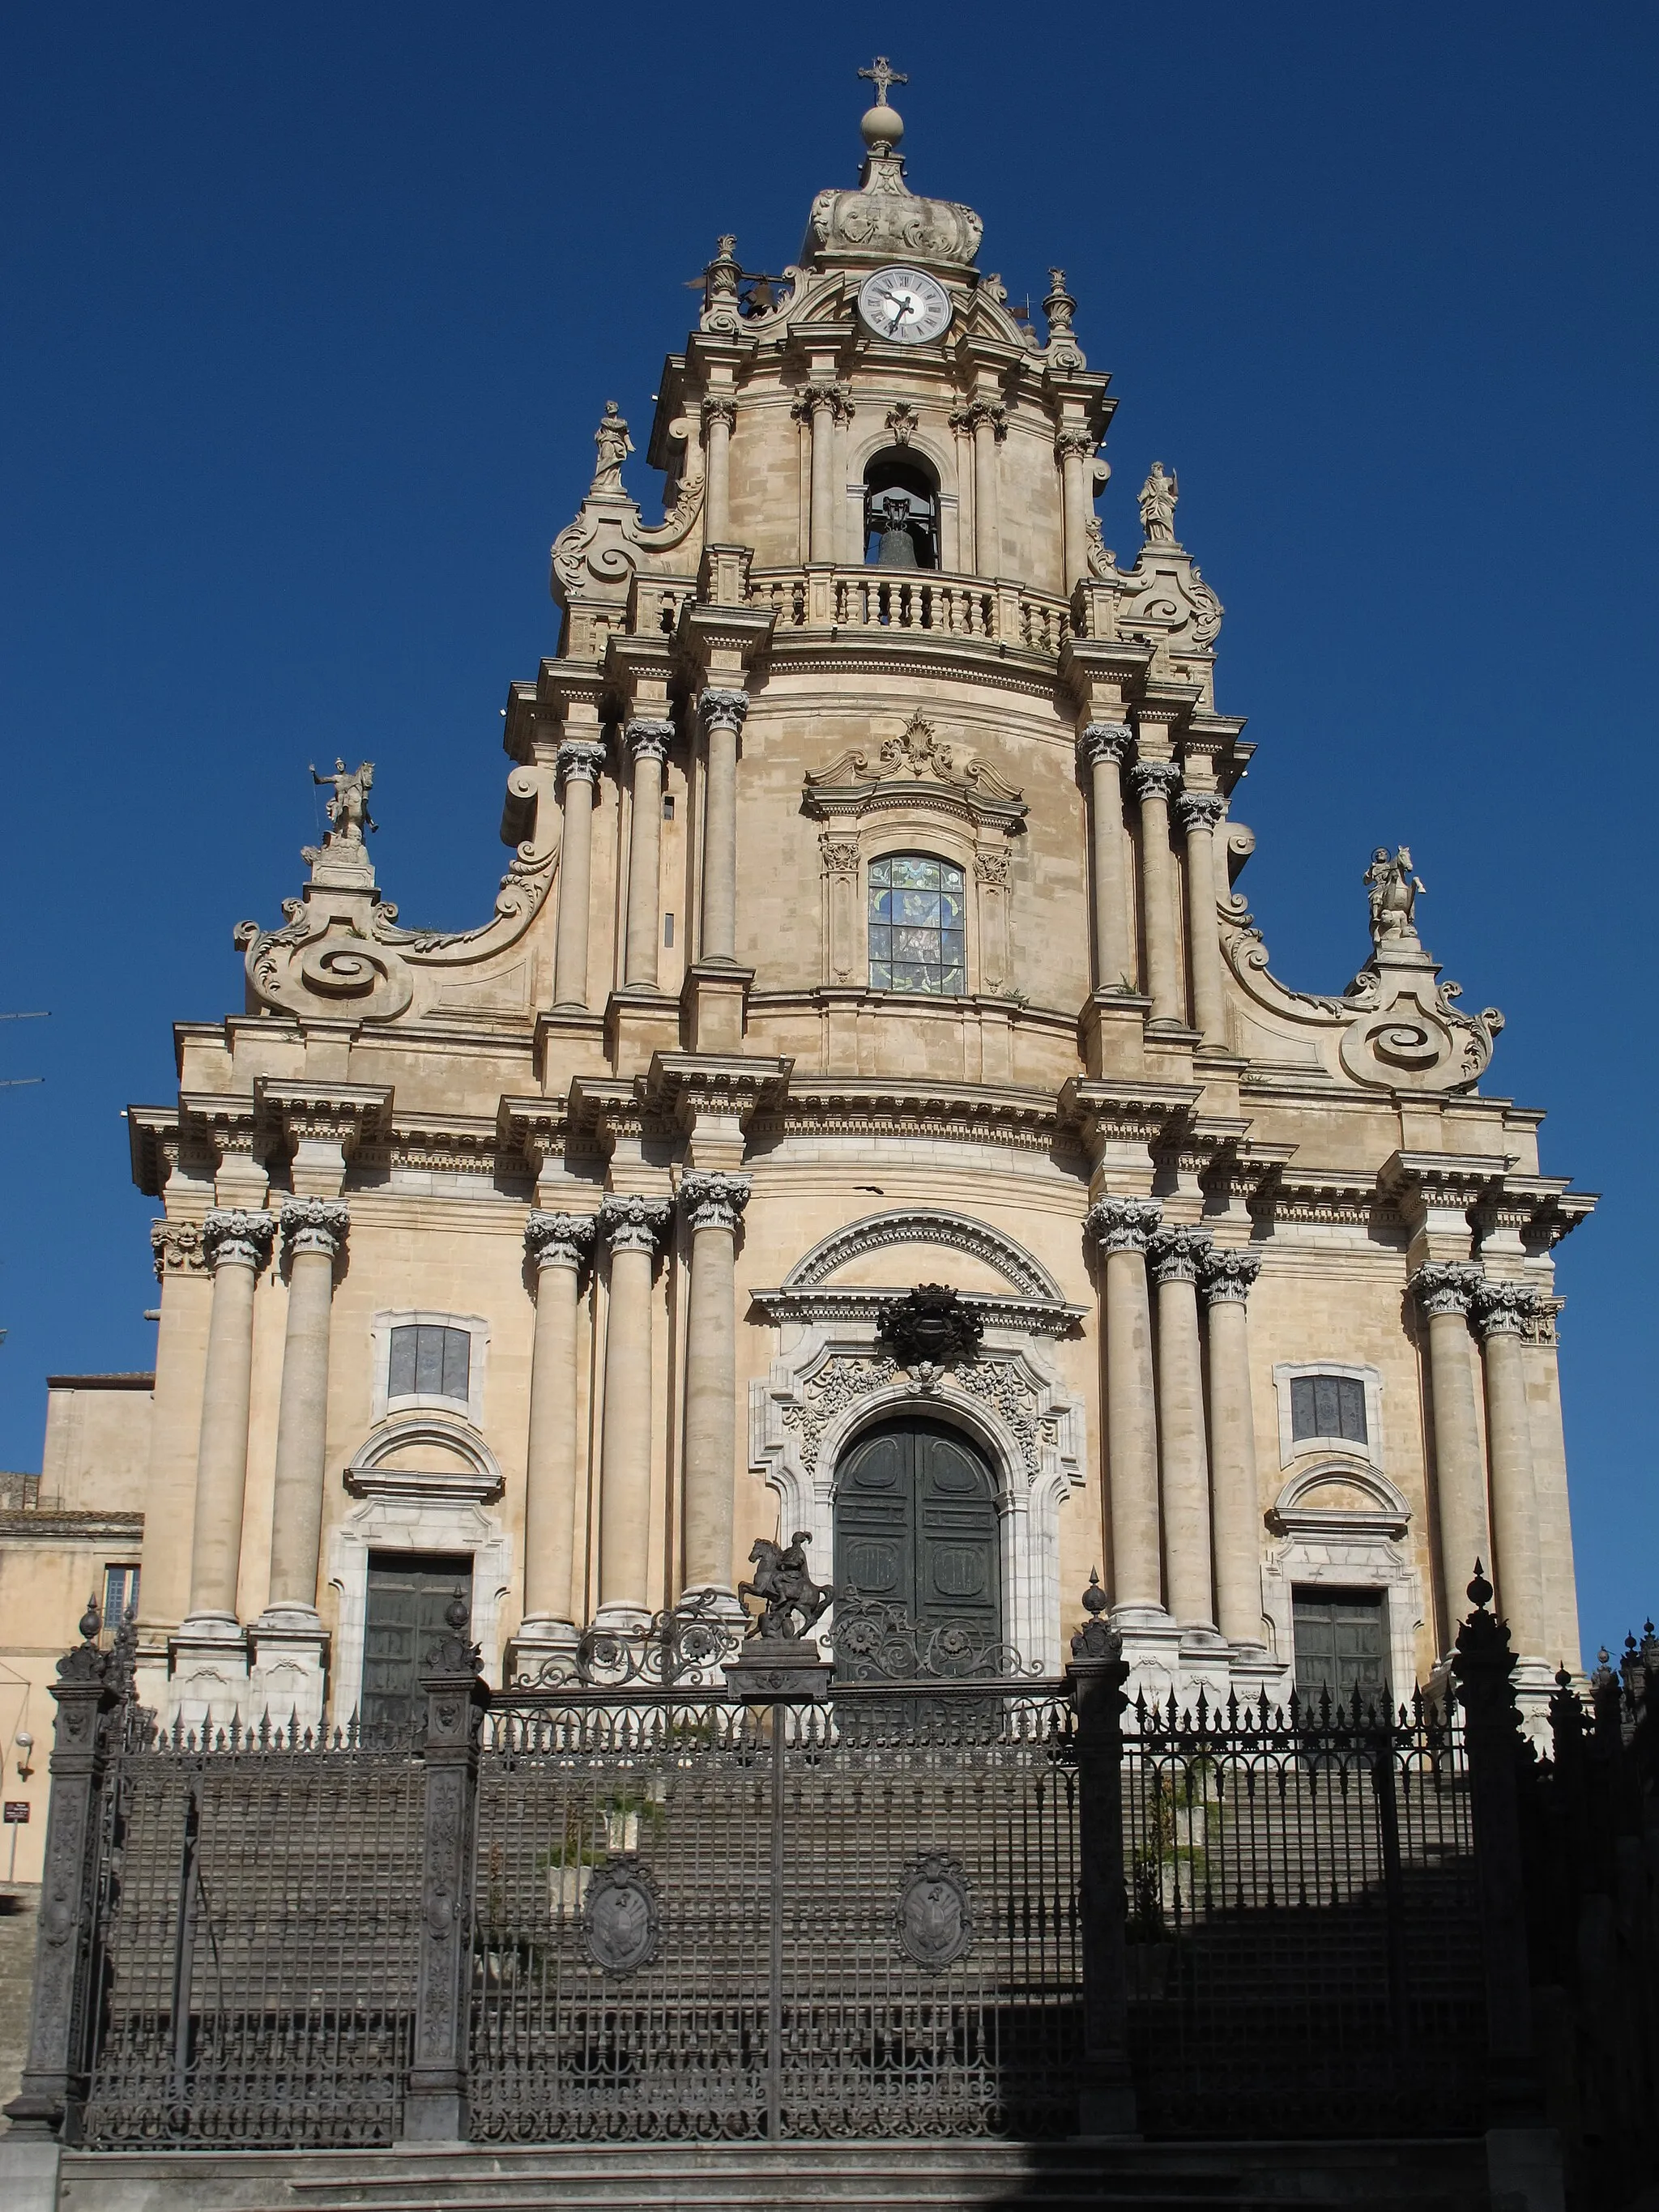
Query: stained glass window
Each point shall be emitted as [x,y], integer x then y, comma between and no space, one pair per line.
[917,922]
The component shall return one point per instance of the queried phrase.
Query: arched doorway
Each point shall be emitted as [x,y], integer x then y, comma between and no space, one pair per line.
[916,1524]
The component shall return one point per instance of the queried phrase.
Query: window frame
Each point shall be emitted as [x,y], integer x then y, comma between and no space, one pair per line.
[384,1404]
[1292,1447]
[906,851]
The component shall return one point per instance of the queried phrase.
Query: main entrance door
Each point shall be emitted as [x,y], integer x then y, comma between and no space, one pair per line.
[408,1594]
[1340,1643]
[917,1525]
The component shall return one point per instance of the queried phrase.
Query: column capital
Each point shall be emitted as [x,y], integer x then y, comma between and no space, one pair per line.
[1071,443]
[314,1225]
[826,393]
[1503,1309]
[178,1248]
[710,1199]
[1177,1253]
[1200,810]
[1123,1225]
[1446,1286]
[649,740]
[558,1240]
[581,759]
[991,414]
[1155,780]
[1228,1272]
[719,409]
[719,708]
[232,1236]
[632,1224]
[1105,741]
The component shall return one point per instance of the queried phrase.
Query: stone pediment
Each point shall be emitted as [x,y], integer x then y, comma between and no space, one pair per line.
[849,1275]
[915,768]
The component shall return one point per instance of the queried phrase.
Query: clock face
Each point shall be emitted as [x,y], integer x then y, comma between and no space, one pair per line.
[905,305]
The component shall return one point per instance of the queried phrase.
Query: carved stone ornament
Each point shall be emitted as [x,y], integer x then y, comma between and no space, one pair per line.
[714,1202]
[935,1921]
[649,740]
[1446,1286]
[1505,1308]
[314,1225]
[903,422]
[1227,1272]
[1200,810]
[239,1238]
[916,761]
[558,1240]
[1155,780]
[178,1249]
[885,221]
[1158,496]
[841,855]
[580,760]
[930,1329]
[1105,741]
[622,1921]
[721,709]
[1123,1225]
[1176,1254]
[634,1225]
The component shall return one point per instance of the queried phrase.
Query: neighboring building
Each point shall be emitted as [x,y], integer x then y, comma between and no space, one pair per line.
[73,1532]
[870,924]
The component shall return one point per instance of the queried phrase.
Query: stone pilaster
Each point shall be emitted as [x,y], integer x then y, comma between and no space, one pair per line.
[1198,813]
[1173,1259]
[1502,1313]
[712,1204]
[558,1247]
[632,1227]
[648,742]
[580,763]
[1103,748]
[1226,1274]
[1444,1289]
[1155,784]
[721,712]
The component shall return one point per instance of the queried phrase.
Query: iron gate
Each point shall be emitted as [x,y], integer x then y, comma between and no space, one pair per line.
[718,1920]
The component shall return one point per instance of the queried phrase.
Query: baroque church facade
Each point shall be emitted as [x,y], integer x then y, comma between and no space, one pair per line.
[871,929]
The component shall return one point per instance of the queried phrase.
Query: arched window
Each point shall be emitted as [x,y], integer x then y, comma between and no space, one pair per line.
[900,513]
[918,913]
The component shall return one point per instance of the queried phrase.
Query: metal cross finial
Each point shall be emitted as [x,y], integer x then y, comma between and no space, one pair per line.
[881,76]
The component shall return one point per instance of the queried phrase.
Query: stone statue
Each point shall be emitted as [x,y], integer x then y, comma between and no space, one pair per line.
[786,1589]
[348,810]
[615,445]
[1394,891]
[1158,496]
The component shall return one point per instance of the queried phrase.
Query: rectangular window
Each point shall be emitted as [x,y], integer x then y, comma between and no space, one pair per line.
[430,1361]
[917,926]
[668,929]
[120,1596]
[1331,1405]
[668,806]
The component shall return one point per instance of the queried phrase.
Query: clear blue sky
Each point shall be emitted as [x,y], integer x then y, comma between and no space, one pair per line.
[309,315]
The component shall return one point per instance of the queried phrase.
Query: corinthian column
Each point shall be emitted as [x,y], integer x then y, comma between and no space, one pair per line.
[712,1205]
[1174,1256]
[1226,1274]
[580,761]
[824,404]
[1445,1290]
[718,416]
[237,1245]
[1103,748]
[1198,812]
[988,419]
[1155,783]
[1123,1227]
[314,1236]
[557,1245]
[722,713]
[1502,1311]
[649,742]
[632,1226]
[1073,449]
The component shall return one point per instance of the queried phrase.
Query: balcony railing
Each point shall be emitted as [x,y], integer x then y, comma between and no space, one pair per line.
[925,602]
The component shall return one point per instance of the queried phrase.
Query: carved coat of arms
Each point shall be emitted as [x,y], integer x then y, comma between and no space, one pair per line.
[621,1925]
[935,1925]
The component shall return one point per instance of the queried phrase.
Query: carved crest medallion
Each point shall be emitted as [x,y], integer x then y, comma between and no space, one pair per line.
[935,1924]
[930,1329]
[621,1923]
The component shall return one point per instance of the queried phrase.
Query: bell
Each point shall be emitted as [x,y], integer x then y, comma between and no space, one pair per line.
[898,547]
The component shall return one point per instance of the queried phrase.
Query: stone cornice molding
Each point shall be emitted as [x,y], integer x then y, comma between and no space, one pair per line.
[559,1240]
[681,1087]
[226,1128]
[1177,1253]
[535,1128]
[861,1305]
[916,769]
[648,739]
[314,1225]
[1445,1287]
[1503,1308]
[1388,1514]
[1457,1180]
[713,1200]
[374,1471]
[345,1114]
[917,1224]
[1136,1113]
[603,1110]
[882,1106]
[1227,1273]
[1105,741]
[629,1223]
[234,1237]
[1123,1225]
[580,760]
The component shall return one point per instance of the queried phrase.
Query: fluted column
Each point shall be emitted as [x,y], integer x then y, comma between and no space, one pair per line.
[557,1245]
[314,1234]
[1073,450]
[722,713]
[632,1227]
[719,416]
[580,761]
[1226,1274]
[989,421]
[1154,784]
[237,1244]
[1123,1227]
[1502,1311]
[712,1204]
[1445,1290]
[1173,1257]
[648,742]
[1198,813]
[1103,748]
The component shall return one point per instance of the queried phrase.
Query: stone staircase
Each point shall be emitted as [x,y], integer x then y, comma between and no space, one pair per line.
[857,2177]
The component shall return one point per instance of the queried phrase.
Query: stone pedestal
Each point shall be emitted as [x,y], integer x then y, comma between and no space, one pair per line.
[287,1669]
[714,1002]
[773,1668]
[207,1673]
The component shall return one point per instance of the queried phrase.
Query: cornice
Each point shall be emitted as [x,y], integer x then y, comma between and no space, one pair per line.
[36,1524]
[1009,668]
[864,1303]
[679,1086]
[878,1106]
[1101,1111]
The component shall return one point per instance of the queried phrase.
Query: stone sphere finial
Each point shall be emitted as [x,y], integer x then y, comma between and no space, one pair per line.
[883,128]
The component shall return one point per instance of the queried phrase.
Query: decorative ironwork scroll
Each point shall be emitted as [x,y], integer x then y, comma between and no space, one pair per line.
[877,1643]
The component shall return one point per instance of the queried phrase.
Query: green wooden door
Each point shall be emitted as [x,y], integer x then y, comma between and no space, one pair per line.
[917,1525]
[407,1595]
[1340,1644]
